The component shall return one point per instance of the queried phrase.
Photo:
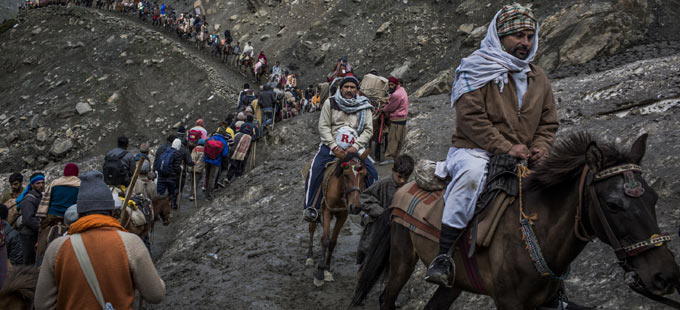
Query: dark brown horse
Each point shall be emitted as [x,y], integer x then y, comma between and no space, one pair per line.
[19,289]
[342,193]
[161,208]
[582,191]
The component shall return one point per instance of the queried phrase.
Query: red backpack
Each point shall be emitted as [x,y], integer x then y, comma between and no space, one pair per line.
[213,148]
[194,136]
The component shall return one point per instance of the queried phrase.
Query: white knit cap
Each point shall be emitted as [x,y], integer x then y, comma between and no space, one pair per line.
[177,144]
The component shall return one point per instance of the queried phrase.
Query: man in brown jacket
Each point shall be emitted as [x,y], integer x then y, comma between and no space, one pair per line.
[504,105]
[120,260]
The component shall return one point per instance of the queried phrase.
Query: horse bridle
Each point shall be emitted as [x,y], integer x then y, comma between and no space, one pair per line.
[632,188]
[347,165]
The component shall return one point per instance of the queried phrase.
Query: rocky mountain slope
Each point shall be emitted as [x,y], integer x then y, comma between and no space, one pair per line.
[416,40]
[73,79]
[246,249]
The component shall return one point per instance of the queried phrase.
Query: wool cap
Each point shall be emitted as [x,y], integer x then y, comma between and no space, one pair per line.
[181,129]
[394,80]
[177,144]
[201,141]
[71,170]
[71,215]
[199,122]
[350,78]
[93,194]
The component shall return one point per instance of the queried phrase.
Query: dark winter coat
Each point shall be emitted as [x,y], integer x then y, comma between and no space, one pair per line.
[15,253]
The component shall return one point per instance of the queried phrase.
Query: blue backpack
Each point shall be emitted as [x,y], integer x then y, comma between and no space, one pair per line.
[164,162]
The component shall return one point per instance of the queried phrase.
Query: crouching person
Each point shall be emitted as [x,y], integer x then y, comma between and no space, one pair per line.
[378,197]
[119,260]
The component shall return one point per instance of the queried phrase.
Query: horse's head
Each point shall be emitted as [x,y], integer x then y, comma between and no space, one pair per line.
[352,172]
[621,212]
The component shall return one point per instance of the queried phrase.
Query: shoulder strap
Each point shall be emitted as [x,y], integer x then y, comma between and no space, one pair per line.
[86,267]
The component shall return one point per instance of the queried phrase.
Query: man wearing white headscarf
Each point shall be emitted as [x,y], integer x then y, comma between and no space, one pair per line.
[504,105]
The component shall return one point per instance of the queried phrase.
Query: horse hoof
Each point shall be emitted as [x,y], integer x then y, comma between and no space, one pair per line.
[309,262]
[317,282]
[328,276]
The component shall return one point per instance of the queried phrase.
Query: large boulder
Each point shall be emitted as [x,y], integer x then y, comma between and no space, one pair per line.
[440,85]
[585,31]
[61,147]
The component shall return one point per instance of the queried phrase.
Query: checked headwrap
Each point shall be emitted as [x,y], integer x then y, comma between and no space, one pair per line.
[514,18]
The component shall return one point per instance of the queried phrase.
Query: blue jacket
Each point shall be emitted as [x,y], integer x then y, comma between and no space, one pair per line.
[225,151]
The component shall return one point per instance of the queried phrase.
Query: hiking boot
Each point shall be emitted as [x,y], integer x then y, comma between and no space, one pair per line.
[310,214]
[441,271]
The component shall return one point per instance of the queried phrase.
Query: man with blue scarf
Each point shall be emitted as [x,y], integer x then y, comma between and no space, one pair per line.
[345,111]
[504,105]
[28,203]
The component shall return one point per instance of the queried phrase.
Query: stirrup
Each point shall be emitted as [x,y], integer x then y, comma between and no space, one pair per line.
[437,276]
[310,214]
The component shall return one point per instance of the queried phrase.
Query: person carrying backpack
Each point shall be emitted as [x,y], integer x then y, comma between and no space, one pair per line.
[196,133]
[119,164]
[216,151]
[117,260]
[197,155]
[167,167]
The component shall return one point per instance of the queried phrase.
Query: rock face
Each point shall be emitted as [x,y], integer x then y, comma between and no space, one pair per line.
[440,85]
[584,31]
[61,146]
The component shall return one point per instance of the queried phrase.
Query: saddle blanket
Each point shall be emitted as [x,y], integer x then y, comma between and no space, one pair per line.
[421,212]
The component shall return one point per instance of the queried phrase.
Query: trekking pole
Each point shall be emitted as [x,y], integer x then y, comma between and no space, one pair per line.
[129,190]
[179,187]
[195,196]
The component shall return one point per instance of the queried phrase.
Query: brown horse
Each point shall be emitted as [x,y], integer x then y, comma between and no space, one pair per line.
[246,64]
[19,289]
[341,194]
[161,208]
[583,190]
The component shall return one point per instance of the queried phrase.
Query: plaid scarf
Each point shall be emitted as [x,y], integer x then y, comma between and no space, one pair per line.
[514,18]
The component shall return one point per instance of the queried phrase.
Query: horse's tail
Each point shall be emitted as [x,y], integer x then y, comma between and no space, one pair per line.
[376,261]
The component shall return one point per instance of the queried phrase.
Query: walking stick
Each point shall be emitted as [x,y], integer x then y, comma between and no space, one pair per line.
[179,187]
[129,191]
[195,196]
[252,159]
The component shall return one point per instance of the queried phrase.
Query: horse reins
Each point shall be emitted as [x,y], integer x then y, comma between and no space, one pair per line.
[632,188]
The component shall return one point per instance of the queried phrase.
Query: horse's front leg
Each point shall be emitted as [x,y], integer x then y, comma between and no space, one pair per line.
[310,251]
[325,241]
[339,222]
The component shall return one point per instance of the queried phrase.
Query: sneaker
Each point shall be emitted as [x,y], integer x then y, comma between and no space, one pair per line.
[310,214]
[387,162]
[191,198]
[441,271]
[203,188]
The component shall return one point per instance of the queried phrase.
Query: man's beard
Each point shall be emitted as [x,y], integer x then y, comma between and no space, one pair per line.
[515,52]
[391,90]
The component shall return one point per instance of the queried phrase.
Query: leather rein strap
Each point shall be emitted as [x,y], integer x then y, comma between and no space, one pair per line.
[622,253]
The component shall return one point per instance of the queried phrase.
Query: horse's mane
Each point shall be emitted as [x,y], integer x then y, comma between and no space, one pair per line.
[21,281]
[348,157]
[566,160]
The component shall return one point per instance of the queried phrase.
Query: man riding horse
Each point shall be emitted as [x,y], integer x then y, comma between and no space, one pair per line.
[504,105]
[345,126]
